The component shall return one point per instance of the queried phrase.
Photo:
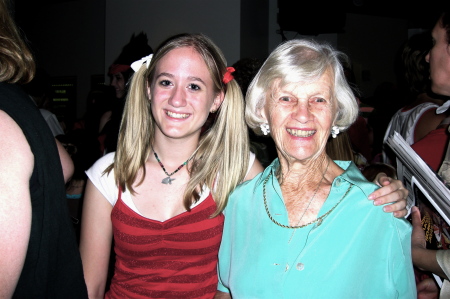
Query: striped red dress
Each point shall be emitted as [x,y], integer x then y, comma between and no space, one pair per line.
[176,258]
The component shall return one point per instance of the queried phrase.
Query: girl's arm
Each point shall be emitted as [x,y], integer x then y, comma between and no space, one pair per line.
[95,240]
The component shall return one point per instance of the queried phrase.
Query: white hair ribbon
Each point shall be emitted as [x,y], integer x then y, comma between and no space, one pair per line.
[443,108]
[137,64]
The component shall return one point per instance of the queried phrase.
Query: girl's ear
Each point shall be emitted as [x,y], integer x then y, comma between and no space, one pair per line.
[218,100]
[149,95]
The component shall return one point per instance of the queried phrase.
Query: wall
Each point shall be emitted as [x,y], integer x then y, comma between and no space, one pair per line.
[255,20]
[372,44]
[83,37]
[161,19]
[67,38]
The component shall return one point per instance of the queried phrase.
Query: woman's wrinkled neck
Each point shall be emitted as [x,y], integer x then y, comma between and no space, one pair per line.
[298,171]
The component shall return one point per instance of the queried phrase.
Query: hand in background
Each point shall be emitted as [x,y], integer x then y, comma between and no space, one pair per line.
[418,240]
[423,258]
[427,289]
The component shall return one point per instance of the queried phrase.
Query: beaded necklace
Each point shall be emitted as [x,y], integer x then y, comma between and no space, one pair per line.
[168,179]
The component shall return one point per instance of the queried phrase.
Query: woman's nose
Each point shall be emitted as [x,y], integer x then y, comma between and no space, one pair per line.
[178,97]
[302,112]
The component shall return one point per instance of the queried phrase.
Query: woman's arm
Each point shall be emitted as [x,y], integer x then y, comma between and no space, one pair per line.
[95,240]
[103,120]
[66,161]
[16,167]
[391,191]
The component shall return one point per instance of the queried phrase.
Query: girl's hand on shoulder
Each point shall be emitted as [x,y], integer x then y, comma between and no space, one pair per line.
[392,191]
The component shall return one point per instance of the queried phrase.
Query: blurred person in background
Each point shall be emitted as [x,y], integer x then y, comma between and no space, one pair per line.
[40,258]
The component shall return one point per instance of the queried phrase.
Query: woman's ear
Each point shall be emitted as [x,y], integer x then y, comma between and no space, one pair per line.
[218,100]
[262,113]
[334,120]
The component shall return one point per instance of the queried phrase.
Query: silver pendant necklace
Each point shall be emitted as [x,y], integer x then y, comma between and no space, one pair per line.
[168,179]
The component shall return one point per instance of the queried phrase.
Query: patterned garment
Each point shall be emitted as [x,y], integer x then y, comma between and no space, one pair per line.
[176,258]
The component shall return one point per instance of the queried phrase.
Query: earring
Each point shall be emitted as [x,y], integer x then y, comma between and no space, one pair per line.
[265,128]
[334,131]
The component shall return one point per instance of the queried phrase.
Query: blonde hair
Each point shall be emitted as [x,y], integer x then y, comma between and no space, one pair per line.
[223,152]
[16,60]
[295,61]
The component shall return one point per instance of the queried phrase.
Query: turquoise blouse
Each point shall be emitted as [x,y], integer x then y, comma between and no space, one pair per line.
[358,251]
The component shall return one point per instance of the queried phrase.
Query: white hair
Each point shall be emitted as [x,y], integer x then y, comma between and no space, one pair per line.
[301,60]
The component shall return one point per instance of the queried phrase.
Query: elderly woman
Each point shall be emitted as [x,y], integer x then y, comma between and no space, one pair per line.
[302,228]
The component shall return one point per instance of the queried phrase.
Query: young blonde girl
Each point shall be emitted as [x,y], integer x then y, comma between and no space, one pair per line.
[167,224]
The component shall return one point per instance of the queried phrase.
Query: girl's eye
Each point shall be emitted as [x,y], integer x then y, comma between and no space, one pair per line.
[165,83]
[194,87]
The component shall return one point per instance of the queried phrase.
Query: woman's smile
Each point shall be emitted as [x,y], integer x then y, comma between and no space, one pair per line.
[301,133]
[177,115]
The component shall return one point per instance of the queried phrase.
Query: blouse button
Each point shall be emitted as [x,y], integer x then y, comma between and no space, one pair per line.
[338,182]
[300,266]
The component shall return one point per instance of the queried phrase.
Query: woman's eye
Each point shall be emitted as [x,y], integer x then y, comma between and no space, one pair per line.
[285,99]
[165,83]
[194,87]
[320,100]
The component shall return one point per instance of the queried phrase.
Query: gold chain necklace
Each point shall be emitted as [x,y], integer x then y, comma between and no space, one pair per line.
[319,219]
[310,201]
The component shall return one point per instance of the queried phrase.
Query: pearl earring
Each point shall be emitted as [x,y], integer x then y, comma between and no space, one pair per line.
[334,131]
[265,128]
